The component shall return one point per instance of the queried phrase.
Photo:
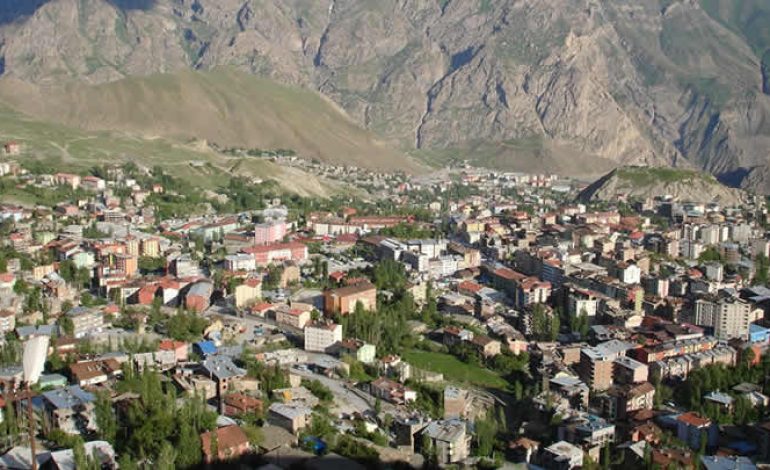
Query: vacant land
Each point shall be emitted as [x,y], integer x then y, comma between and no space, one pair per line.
[454,370]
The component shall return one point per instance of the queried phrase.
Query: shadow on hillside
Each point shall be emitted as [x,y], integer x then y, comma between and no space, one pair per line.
[15,10]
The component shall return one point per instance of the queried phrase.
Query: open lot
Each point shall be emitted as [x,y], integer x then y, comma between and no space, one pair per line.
[453,369]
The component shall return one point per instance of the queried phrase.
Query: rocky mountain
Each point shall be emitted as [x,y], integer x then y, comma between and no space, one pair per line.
[532,84]
[680,185]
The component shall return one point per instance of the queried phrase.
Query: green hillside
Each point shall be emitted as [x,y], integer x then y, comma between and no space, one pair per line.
[60,148]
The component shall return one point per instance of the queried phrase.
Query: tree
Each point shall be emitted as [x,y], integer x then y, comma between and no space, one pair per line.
[761,265]
[167,457]
[66,324]
[106,421]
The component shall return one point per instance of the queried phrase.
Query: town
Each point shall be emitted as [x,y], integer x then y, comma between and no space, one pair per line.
[470,318]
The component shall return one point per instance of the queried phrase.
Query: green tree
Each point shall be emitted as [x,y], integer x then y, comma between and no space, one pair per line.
[761,264]
[167,457]
[106,421]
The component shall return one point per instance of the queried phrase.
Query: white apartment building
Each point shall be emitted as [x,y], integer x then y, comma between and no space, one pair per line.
[320,336]
[729,317]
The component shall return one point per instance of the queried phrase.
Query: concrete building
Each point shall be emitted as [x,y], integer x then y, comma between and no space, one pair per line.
[730,317]
[449,439]
[269,232]
[294,317]
[562,456]
[293,418]
[198,298]
[85,321]
[691,429]
[597,367]
[345,299]
[630,371]
[247,293]
[319,337]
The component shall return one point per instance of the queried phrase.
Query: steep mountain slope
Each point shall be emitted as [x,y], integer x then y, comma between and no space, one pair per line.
[224,107]
[661,82]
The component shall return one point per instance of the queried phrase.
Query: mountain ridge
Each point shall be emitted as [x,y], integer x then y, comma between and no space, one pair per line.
[667,82]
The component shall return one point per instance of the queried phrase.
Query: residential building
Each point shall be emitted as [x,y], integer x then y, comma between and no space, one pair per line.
[240,262]
[70,409]
[85,321]
[293,418]
[198,298]
[231,443]
[391,391]
[629,371]
[562,456]
[293,317]
[449,440]
[362,352]
[729,316]
[269,232]
[223,371]
[597,363]
[248,292]
[278,252]
[7,321]
[692,429]
[344,299]
[94,372]
[319,337]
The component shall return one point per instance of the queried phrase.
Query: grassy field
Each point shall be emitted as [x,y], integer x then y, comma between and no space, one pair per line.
[645,176]
[454,370]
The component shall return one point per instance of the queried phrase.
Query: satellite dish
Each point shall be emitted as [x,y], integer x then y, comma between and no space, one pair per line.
[35,351]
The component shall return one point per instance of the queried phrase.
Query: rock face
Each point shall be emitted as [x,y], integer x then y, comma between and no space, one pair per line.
[660,82]
[642,183]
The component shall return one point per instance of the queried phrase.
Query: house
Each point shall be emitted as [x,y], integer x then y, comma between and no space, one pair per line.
[486,346]
[362,352]
[562,456]
[344,299]
[721,400]
[321,336]
[70,409]
[247,293]
[294,317]
[178,347]
[691,427]
[231,443]
[95,372]
[204,348]
[391,391]
[449,439]
[7,321]
[238,404]
[198,298]
[222,370]
[293,418]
